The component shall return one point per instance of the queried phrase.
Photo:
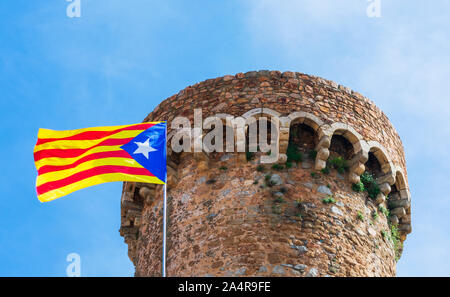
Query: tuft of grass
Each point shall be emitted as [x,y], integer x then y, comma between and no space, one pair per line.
[326,170]
[366,178]
[288,165]
[394,236]
[269,183]
[358,187]
[260,168]
[384,210]
[223,168]
[374,215]
[312,154]
[279,200]
[313,174]
[249,155]
[360,216]
[293,155]
[329,200]
[370,185]
[338,163]
[277,167]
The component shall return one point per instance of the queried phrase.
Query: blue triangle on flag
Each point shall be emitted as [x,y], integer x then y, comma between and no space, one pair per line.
[149,150]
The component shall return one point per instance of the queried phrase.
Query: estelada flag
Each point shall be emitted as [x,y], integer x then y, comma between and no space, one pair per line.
[71,160]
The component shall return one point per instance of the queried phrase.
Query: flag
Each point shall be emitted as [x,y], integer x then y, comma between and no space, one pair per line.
[67,161]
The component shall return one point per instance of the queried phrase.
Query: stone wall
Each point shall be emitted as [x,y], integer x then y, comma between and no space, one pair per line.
[234,221]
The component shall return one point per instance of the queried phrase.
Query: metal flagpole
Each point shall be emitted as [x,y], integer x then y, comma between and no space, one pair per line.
[164,229]
[164,219]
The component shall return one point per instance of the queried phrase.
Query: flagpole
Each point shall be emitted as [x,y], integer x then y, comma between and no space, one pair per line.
[164,229]
[164,219]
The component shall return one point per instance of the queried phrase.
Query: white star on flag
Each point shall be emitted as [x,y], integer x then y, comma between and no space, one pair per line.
[144,148]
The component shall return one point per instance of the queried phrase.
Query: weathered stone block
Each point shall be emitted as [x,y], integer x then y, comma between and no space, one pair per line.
[323,143]
[354,178]
[380,199]
[387,178]
[399,212]
[405,203]
[320,164]
[405,228]
[394,219]
[357,168]
[385,188]
[323,154]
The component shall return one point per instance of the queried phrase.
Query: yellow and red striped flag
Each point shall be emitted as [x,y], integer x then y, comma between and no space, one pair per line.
[71,160]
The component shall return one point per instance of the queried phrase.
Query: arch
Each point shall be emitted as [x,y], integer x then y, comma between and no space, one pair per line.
[272,127]
[306,121]
[340,146]
[303,137]
[273,122]
[400,181]
[404,224]
[301,117]
[261,110]
[400,203]
[351,135]
[379,166]
[382,156]
[356,157]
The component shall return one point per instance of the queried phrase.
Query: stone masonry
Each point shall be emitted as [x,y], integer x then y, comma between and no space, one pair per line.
[229,215]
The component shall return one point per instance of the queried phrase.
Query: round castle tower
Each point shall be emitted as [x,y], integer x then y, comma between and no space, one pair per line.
[336,203]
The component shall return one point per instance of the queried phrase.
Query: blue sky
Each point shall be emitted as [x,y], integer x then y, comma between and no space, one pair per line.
[113,65]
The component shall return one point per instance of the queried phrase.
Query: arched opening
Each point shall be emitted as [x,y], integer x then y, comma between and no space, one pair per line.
[394,194]
[302,142]
[270,128]
[254,128]
[373,166]
[303,137]
[137,198]
[341,147]
[400,181]
[397,187]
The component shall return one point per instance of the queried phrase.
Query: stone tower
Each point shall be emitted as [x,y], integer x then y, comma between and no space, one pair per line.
[336,203]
